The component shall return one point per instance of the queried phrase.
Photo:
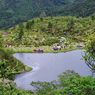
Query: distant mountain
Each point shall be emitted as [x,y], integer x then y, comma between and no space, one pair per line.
[80,8]
[15,11]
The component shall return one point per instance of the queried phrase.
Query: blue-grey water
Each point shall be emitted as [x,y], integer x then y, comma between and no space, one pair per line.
[48,66]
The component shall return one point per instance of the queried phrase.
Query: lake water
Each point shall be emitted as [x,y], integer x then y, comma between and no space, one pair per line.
[48,66]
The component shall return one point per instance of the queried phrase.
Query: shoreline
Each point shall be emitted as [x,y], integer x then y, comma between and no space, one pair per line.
[46,49]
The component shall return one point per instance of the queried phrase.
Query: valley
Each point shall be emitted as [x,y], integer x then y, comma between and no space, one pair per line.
[47,47]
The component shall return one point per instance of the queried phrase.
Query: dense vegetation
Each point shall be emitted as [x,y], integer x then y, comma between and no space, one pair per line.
[13,12]
[90,53]
[9,66]
[10,89]
[16,11]
[69,83]
[46,32]
[80,8]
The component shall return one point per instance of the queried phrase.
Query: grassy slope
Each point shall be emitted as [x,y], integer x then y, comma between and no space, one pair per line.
[46,32]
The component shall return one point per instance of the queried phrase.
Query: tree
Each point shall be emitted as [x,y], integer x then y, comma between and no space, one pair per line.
[1,40]
[93,17]
[20,32]
[3,69]
[70,25]
[43,14]
[90,53]
[50,25]
[29,24]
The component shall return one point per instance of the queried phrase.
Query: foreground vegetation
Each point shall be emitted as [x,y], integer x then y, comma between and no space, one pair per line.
[9,66]
[10,89]
[69,83]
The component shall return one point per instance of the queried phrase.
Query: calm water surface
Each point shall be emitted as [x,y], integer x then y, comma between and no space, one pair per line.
[48,66]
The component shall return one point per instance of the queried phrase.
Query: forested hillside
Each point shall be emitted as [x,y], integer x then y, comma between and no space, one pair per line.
[80,8]
[15,11]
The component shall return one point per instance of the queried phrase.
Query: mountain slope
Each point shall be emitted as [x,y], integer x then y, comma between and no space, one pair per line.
[15,11]
[82,8]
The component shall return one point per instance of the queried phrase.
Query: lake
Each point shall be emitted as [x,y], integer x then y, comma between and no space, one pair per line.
[48,66]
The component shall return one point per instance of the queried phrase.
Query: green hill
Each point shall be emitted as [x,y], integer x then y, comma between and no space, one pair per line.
[16,11]
[13,12]
[81,8]
[46,32]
